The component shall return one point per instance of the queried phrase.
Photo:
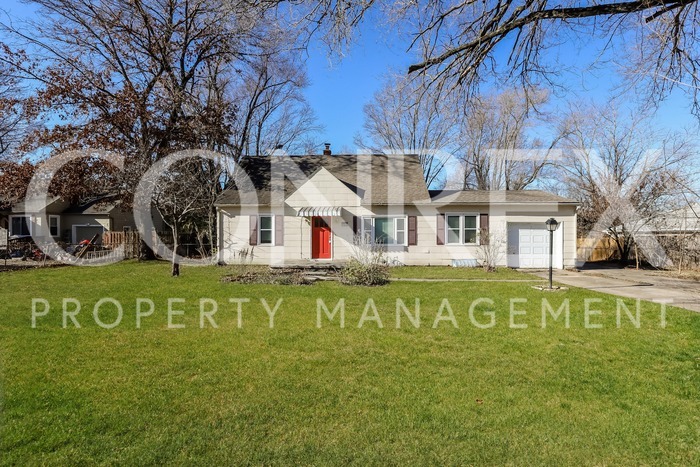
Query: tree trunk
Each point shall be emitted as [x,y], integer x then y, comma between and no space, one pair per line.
[624,256]
[145,252]
[621,249]
[176,264]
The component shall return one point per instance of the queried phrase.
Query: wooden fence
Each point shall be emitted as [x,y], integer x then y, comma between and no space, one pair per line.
[589,249]
[683,251]
[130,240]
[132,243]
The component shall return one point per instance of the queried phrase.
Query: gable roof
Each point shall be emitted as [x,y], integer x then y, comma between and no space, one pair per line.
[103,205]
[56,205]
[497,197]
[377,179]
[53,204]
[323,189]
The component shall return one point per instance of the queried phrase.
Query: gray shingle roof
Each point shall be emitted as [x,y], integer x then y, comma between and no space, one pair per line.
[496,197]
[53,205]
[101,205]
[378,179]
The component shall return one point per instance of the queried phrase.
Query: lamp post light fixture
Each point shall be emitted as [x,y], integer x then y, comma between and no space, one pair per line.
[552,225]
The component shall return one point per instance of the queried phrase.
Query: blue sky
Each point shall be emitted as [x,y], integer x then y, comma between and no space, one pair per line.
[339,89]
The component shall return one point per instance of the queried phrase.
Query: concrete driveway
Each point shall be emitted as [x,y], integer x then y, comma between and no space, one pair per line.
[633,283]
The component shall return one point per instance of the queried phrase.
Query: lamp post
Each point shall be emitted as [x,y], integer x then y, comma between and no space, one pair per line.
[552,225]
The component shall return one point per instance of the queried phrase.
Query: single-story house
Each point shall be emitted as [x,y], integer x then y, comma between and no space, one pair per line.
[684,221]
[301,209]
[67,222]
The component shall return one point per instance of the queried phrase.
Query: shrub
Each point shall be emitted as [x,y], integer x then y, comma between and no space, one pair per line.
[490,251]
[357,273]
[367,265]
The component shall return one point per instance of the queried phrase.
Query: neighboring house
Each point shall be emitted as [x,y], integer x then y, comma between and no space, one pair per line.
[678,232]
[69,223]
[684,221]
[20,222]
[95,217]
[300,209]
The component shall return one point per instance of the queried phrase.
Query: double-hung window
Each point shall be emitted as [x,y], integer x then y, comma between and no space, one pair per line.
[20,225]
[266,230]
[54,225]
[462,229]
[384,230]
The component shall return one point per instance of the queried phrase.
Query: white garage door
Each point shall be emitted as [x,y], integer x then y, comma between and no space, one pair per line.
[528,246]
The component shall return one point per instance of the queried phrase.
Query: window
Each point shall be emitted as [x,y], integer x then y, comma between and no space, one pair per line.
[54,226]
[400,230]
[266,230]
[20,225]
[461,229]
[384,230]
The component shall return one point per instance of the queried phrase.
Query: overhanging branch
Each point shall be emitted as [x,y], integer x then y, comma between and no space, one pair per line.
[496,34]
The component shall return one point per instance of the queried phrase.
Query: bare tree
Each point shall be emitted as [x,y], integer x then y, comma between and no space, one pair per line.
[625,174]
[462,43]
[143,78]
[271,111]
[182,198]
[150,77]
[460,38]
[406,116]
[489,134]
[14,118]
[498,151]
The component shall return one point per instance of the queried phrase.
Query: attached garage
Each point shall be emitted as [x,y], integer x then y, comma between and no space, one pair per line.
[86,232]
[528,246]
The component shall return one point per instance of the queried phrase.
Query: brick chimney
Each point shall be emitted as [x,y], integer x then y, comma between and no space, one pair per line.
[327,151]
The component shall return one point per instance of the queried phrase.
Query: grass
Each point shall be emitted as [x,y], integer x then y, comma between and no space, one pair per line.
[297,394]
[446,272]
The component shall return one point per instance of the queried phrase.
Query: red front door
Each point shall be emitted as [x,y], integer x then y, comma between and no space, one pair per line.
[320,238]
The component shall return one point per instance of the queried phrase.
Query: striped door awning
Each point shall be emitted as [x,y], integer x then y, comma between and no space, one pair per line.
[325,211]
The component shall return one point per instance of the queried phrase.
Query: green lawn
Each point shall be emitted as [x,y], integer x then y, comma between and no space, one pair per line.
[446,272]
[298,394]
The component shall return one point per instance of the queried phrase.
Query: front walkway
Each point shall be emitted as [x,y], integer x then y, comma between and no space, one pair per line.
[632,283]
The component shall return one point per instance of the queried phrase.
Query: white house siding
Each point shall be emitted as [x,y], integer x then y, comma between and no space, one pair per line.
[235,229]
[235,225]
[324,190]
[428,252]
